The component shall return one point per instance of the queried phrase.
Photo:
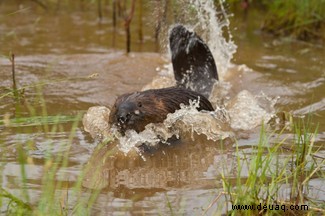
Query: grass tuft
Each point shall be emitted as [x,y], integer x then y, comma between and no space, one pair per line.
[264,175]
[302,19]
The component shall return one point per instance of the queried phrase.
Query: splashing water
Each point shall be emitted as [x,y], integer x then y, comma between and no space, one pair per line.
[243,112]
[211,25]
[247,111]
[186,119]
[212,28]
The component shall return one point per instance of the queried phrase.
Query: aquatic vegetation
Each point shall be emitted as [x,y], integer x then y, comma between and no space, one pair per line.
[302,19]
[53,198]
[272,168]
[299,19]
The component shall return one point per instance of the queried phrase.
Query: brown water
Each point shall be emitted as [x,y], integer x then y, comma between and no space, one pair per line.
[63,50]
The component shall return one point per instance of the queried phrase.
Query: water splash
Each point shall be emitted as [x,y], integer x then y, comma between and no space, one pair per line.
[248,111]
[212,25]
[242,112]
[185,120]
[189,119]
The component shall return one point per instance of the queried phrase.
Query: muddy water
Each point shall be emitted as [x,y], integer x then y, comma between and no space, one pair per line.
[82,64]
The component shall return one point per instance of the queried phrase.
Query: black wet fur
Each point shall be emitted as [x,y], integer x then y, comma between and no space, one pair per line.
[193,63]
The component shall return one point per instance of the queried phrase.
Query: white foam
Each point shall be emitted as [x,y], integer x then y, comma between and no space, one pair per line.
[214,125]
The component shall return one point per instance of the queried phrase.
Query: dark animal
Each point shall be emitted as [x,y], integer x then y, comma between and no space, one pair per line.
[195,73]
[136,110]
[193,63]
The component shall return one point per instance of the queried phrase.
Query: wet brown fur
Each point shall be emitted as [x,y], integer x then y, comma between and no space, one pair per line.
[136,110]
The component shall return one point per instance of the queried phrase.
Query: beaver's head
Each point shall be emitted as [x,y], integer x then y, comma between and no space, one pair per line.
[136,110]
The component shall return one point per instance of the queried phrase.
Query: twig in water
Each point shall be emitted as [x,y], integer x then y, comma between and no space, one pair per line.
[127,22]
[114,13]
[140,33]
[99,8]
[12,59]
[13,72]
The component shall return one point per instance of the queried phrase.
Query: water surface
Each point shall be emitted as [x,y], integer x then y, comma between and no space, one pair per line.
[82,63]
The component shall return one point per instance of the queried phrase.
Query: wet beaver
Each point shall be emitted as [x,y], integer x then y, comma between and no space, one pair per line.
[195,72]
[136,110]
[193,63]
